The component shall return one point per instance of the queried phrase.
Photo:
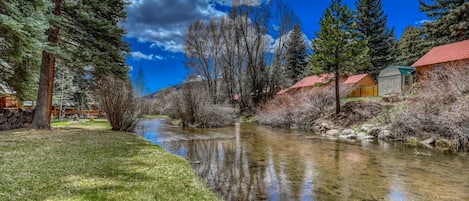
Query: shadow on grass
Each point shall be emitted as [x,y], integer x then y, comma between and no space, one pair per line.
[77,164]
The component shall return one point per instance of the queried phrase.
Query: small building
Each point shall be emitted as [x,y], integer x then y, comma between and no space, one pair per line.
[363,85]
[445,56]
[395,79]
[311,82]
[7,98]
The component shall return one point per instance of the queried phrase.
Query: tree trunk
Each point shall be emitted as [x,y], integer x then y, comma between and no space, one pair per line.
[61,107]
[44,97]
[42,113]
[337,91]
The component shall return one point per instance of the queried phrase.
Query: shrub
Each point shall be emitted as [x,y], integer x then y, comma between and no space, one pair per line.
[193,106]
[439,109]
[300,110]
[117,101]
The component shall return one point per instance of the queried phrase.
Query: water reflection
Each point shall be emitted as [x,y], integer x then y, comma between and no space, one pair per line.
[247,162]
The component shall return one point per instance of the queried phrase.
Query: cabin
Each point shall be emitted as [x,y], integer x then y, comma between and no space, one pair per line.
[7,98]
[441,57]
[310,82]
[363,85]
[395,80]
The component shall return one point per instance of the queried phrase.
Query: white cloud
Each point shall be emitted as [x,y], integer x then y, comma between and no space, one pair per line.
[422,22]
[240,2]
[139,55]
[163,22]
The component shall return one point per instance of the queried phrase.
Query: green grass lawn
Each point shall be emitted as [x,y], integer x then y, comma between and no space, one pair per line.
[87,161]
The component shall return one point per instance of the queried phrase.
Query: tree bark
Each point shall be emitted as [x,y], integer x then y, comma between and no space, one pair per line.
[42,113]
[337,90]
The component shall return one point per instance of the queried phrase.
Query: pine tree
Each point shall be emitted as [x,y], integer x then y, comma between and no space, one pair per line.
[337,47]
[449,20]
[371,23]
[85,34]
[22,27]
[411,46]
[296,56]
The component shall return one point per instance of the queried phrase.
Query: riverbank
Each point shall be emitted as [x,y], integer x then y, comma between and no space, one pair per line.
[88,161]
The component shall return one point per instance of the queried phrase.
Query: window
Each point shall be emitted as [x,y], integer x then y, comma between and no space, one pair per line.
[406,79]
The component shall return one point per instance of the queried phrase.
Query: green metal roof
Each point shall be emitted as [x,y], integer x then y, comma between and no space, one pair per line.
[405,70]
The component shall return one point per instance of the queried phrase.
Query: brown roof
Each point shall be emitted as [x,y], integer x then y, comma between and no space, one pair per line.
[354,79]
[312,80]
[445,53]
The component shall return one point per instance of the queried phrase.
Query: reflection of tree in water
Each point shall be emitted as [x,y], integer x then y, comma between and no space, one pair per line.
[265,164]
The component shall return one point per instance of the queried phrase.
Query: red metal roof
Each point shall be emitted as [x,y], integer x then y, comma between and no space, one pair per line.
[312,80]
[355,78]
[445,53]
[283,91]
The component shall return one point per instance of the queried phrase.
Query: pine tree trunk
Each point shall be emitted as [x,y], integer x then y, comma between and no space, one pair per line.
[42,113]
[337,91]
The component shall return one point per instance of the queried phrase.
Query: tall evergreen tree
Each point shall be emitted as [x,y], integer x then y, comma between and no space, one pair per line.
[85,34]
[411,46]
[22,27]
[449,20]
[296,56]
[371,23]
[337,46]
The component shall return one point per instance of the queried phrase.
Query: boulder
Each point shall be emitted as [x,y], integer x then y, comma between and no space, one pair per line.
[384,134]
[12,120]
[374,131]
[332,132]
[367,127]
[348,132]
[429,141]
[2,118]
[364,136]
[351,136]
[443,144]
[6,126]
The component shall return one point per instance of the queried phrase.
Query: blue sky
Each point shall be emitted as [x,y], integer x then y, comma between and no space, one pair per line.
[155,30]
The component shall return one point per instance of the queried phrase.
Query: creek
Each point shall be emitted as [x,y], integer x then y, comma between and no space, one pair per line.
[250,162]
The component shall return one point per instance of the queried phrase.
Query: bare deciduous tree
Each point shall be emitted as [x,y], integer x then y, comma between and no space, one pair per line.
[118,102]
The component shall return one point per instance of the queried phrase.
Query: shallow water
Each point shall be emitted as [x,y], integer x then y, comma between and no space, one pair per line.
[248,162]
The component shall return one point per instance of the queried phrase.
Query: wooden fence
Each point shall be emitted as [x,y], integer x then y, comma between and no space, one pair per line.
[69,112]
[364,91]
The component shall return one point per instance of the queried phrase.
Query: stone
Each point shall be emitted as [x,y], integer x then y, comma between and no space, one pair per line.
[12,120]
[2,118]
[6,126]
[374,131]
[443,144]
[351,136]
[366,127]
[364,136]
[8,113]
[332,132]
[429,141]
[347,132]
[384,134]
